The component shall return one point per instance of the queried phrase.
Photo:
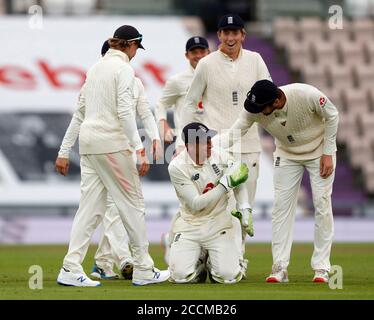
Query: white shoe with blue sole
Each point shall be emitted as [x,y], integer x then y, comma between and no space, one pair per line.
[69,278]
[158,277]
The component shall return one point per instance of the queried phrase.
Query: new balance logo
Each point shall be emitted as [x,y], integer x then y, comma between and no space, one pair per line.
[81,279]
[277,162]
[195,177]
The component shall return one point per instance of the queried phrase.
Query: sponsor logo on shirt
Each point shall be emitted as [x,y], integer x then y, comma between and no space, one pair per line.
[216,169]
[277,162]
[177,237]
[322,101]
[290,139]
[195,177]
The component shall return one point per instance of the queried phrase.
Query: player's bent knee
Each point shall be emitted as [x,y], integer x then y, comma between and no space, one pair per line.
[181,276]
[227,276]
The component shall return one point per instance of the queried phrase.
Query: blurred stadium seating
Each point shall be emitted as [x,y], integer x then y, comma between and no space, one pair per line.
[340,63]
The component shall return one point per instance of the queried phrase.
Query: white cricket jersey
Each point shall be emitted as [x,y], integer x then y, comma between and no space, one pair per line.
[106,101]
[223,84]
[173,94]
[141,106]
[203,201]
[305,128]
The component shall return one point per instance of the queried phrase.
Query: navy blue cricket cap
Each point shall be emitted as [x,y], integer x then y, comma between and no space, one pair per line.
[105,47]
[128,33]
[262,94]
[195,132]
[230,21]
[196,42]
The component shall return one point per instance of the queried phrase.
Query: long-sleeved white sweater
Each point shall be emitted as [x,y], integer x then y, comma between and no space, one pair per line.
[173,95]
[106,107]
[223,84]
[142,109]
[305,128]
[203,201]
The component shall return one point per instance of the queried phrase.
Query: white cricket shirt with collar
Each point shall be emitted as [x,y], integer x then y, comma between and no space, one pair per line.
[223,84]
[304,129]
[203,201]
[106,106]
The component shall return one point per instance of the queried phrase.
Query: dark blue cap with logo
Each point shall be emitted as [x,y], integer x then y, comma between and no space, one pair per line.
[129,33]
[230,21]
[196,42]
[262,94]
[196,132]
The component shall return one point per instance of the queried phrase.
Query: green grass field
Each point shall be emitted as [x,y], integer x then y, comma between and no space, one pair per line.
[357,261]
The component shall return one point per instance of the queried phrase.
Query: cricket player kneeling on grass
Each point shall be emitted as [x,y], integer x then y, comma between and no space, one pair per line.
[206,237]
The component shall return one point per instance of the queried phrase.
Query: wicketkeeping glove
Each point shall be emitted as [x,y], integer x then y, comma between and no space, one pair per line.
[235,175]
[246,219]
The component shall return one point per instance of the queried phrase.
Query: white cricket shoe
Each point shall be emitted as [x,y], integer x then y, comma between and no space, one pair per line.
[278,274]
[321,276]
[158,277]
[69,278]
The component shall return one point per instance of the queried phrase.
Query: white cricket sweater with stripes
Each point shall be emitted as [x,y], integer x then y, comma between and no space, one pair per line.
[304,129]
[223,84]
[106,101]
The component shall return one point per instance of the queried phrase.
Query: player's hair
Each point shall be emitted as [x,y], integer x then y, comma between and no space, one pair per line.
[118,44]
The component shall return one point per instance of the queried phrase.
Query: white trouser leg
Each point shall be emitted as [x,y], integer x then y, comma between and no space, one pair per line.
[184,254]
[224,255]
[120,177]
[114,244]
[253,162]
[287,178]
[324,224]
[90,212]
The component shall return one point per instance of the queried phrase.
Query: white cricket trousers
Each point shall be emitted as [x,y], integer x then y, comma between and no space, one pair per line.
[224,251]
[114,174]
[114,242]
[287,179]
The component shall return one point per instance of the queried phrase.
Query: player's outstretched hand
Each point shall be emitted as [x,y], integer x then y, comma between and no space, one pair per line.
[166,131]
[62,166]
[142,162]
[157,149]
[326,166]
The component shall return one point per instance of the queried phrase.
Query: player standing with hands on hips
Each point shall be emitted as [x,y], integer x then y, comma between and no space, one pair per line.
[107,137]
[304,123]
[222,79]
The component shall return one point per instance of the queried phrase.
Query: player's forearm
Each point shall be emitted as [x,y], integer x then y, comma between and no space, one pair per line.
[199,202]
[70,137]
[331,129]
[237,130]
[150,127]
[331,116]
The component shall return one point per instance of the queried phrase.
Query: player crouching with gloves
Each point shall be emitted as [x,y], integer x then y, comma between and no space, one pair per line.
[204,179]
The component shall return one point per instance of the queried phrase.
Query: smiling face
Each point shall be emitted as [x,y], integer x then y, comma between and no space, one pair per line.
[194,55]
[231,41]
